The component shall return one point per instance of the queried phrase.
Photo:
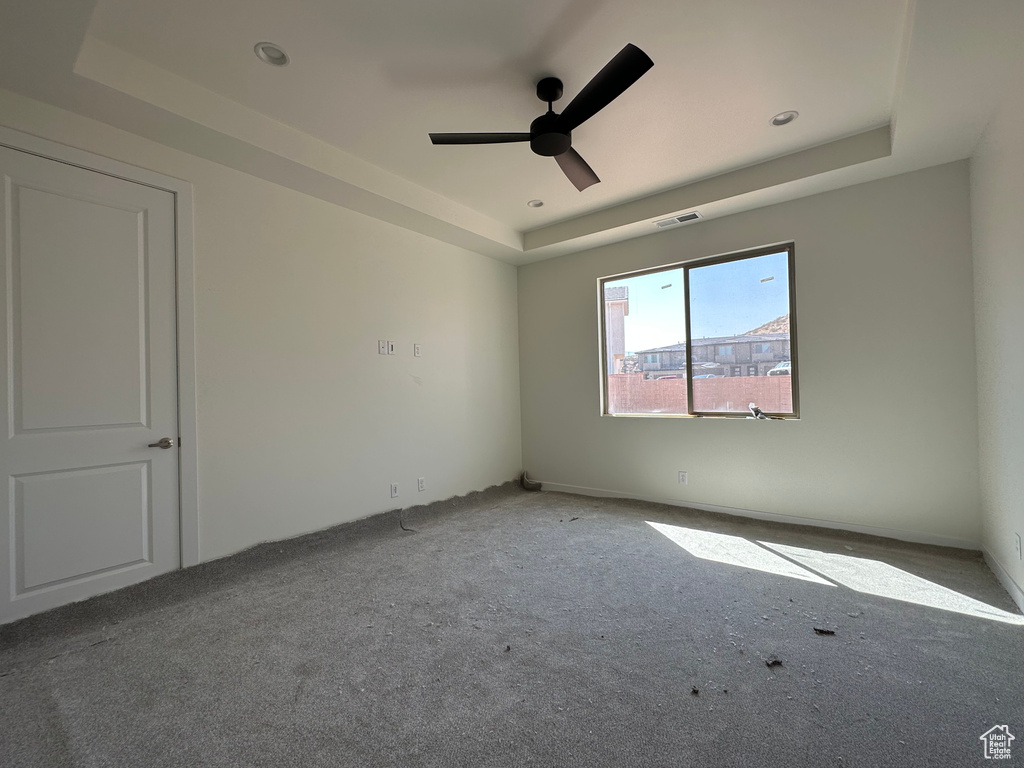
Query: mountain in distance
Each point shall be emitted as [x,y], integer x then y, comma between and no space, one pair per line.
[778,325]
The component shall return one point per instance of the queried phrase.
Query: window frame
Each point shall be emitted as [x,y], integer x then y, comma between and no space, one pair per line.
[789,248]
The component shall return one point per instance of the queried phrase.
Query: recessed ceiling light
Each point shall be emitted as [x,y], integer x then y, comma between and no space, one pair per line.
[785,118]
[272,54]
[535,203]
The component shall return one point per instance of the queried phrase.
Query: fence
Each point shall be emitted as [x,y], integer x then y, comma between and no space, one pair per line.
[631,393]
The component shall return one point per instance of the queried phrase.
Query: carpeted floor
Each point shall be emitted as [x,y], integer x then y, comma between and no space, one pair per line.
[517,629]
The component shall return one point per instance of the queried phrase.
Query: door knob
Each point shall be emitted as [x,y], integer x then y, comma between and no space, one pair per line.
[163,442]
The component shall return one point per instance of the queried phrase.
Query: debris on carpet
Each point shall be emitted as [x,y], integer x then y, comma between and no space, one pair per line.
[527,483]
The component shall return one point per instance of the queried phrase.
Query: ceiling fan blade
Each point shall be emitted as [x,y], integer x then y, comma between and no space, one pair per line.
[477,138]
[628,66]
[576,169]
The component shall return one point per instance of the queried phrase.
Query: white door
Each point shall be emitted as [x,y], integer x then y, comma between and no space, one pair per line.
[88,384]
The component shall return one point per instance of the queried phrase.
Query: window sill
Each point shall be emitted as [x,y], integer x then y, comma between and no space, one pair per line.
[734,416]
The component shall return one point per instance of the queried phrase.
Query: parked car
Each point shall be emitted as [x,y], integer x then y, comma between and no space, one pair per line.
[673,376]
[782,369]
[706,376]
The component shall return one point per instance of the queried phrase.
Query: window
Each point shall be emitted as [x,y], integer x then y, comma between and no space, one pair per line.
[703,316]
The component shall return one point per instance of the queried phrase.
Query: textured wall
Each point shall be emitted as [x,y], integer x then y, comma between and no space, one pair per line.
[301,423]
[997,189]
[888,420]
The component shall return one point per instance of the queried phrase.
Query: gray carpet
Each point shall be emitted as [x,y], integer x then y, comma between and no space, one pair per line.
[516,629]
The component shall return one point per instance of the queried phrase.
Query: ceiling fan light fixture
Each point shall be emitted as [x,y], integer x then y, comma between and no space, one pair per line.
[551,134]
[785,118]
[272,54]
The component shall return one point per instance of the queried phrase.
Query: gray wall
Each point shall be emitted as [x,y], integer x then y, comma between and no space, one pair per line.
[997,192]
[887,382]
[301,423]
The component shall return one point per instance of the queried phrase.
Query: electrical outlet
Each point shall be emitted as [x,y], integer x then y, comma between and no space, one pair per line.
[1020,555]
[421,483]
[394,490]
[416,352]
[391,347]
[382,347]
[682,478]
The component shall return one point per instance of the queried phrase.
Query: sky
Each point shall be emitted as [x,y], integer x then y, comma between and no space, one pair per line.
[725,300]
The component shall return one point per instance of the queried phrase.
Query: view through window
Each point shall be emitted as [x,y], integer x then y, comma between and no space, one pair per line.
[738,349]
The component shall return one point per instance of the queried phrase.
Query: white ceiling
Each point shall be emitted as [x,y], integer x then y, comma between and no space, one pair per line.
[374,78]
[348,118]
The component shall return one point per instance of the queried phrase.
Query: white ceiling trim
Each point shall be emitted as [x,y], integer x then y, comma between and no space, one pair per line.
[385,195]
[269,149]
[954,66]
[866,146]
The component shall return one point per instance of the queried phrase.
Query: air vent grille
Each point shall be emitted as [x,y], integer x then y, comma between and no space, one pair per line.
[682,218]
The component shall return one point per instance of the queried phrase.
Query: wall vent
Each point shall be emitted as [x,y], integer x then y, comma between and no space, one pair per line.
[682,218]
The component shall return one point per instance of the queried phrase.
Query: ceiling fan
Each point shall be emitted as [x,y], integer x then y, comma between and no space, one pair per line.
[551,134]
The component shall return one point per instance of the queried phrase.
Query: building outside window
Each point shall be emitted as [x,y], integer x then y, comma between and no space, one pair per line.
[704,338]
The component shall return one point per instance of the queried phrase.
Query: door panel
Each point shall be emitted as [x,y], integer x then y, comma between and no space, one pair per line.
[80,523]
[89,382]
[78,351]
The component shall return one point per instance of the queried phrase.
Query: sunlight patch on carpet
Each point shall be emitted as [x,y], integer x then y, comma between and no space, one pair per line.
[733,550]
[871,577]
[874,577]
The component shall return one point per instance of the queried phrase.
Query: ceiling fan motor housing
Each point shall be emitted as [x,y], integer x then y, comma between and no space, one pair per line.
[550,134]
[545,137]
